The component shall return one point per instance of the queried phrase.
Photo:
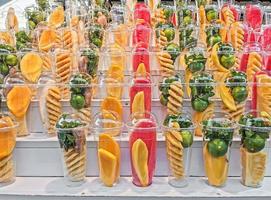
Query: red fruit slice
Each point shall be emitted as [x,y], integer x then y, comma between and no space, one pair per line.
[145,129]
[174,19]
[142,84]
[141,34]
[253,16]
[141,55]
[267,61]
[244,61]
[142,12]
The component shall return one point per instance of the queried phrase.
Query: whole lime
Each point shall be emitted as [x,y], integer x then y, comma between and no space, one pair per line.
[254,144]
[187,137]
[217,147]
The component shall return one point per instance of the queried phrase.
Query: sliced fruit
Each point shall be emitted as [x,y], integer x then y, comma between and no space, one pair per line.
[108,165]
[108,143]
[121,35]
[56,18]
[138,103]
[140,161]
[114,80]
[263,93]
[141,70]
[31,66]
[113,104]
[188,76]
[47,39]
[215,59]
[7,137]
[141,55]
[7,38]
[216,168]
[117,55]
[18,100]
[108,118]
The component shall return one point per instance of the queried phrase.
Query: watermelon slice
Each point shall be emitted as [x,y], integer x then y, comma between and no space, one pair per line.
[142,84]
[145,129]
[141,33]
[142,12]
[253,16]
[141,55]
[244,61]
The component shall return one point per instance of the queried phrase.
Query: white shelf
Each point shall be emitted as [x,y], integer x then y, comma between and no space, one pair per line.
[54,188]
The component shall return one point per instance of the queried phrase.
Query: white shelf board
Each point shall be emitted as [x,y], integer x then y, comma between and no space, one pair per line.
[34,188]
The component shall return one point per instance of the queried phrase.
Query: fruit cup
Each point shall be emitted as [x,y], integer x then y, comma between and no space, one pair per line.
[142,14]
[107,132]
[142,142]
[253,15]
[71,133]
[213,34]
[34,16]
[202,90]
[217,135]
[94,36]
[165,34]
[167,13]
[178,131]
[118,14]
[81,96]
[141,92]
[188,37]
[142,33]
[8,129]
[172,93]
[141,57]
[8,60]
[186,15]
[255,129]
[99,16]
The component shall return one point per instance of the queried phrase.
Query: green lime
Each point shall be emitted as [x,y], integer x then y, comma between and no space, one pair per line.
[215,39]
[187,137]
[31,24]
[169,33]
[211,15]
[239,93]
[77,101]
[97,42]
[11,60]
[4,69]
[227,61]
[254,144]
[217,147]
[187,20]
[199,105]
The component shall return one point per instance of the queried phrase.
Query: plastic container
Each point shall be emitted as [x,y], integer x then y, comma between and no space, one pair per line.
[141,56]
[107,130]
[8,142]
[165,34]
[142,144]
[141,13]
[119,34]
[94,36]
[73,148]
[142,33]
[42,33]
[255,129]
[217,136]
[178,147]
[188,37]
[186,15]
[34,16]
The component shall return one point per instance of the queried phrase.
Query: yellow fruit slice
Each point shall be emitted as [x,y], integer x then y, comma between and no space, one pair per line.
[57,17]
[138,105]
[140,161]
[47,39]
[117,55]
[108,143]
[121,37]
[31,66]
[215,59]
[216,168]
[114,80]
[108,165]
[264,94]
[141,70]
[113,104]
[18,100]
[7,38]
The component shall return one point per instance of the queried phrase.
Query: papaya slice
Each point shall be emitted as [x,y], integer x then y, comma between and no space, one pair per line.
[107,143]
[140,161]
[215,59]
[113,104]
[18,100]
[31,66]
[138,105]
[216,168]
[7,137]
[56,18]
[47,39]
[108,165]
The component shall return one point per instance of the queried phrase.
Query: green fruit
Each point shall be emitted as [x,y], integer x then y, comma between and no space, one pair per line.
[4,69]
[77,101]
[239,93]
[97,42]
[170,34]
[163,100]
[217,147]
[227,61]
[196,66]
[211,15]
[254,144]
[215,39]
[187,20]
[31,24]
[199,105]
[187,137]
[11,60]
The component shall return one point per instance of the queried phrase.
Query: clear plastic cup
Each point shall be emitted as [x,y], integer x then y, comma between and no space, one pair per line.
[178,147]
[255,129]
[141,56]
[73,147]
[8,141]
[94,36]
[165,34]
[9,61]
[142,33]
[186,15]
[34,17]
[217,136]
[142,129]
[141,13]
[107,130]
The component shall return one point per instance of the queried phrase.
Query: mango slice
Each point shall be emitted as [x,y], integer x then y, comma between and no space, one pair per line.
[107,143]
[216,168]
[47,39]
[138,105]
[18,100]
[57,17]
[140,161]
[107,164]
[141,70]
[31,66]
[115,76]
[113,104]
